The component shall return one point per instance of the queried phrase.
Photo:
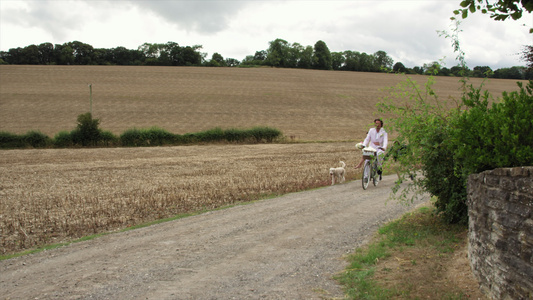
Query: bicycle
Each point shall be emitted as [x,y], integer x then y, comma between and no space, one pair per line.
[370,169]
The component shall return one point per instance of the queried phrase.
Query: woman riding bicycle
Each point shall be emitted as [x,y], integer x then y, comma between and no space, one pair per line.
[378,139]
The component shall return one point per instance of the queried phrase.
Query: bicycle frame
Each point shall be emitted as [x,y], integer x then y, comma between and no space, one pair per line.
[370,169]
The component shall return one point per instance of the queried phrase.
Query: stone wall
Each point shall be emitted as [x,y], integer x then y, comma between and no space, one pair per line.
[500,234]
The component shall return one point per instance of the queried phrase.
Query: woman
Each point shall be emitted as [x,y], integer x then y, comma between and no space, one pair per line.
[378,139]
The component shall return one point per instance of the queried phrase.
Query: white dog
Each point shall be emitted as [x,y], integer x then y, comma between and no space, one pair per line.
[337,173]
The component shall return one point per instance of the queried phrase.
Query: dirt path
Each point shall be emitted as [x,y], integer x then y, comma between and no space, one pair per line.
[283,248]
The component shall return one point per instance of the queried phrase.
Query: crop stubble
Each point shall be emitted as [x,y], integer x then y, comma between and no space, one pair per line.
[53,195]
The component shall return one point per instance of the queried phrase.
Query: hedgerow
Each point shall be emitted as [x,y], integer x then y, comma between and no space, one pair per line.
[88,134]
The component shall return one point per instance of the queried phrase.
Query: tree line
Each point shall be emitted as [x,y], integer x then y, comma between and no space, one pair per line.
[280,53]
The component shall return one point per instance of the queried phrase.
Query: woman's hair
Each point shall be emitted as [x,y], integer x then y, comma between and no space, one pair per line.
[381,121]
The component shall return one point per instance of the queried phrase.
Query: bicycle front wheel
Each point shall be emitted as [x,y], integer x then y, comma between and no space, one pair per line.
[366,174]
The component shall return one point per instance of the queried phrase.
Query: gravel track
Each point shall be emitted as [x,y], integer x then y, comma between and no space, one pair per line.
[288,247]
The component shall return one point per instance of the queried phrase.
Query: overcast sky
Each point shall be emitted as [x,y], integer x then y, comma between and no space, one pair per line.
[406,30]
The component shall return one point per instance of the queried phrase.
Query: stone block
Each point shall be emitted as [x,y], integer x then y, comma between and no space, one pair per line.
[497,228]
[493,216]
[512,222]
[517,208]
[527,227]
[491,180]
[500,244]
[523,199]
[514,246]
[519,171]
[500,172]
[524,185]
[507,183]
[497,199]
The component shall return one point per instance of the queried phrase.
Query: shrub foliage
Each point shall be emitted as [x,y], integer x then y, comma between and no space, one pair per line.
[32,139]
[447,145]
[88,134]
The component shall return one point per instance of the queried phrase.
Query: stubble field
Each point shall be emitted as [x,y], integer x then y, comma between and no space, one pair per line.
[53,195]
[308,105]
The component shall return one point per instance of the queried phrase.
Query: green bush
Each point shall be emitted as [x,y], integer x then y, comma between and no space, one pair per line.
[487,138]
[133,138]
[211,135]
[107,138]
[147,137]
[77,137]
[32,138]
[422,122]
[450,144]
[88,132]
[158,137]
[36,139]
[188,138]
[266,134]
[236,135]
[10,140]
[63,139]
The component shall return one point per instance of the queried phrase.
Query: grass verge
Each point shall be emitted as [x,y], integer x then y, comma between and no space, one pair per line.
[418,256]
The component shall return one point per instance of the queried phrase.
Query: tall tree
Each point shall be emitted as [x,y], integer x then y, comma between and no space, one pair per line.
[418,70]
[294,55]
[367,63]
[174,54]
[232,62]
[306,58]
[260,55]
[31,55]
[121,56]
[527,56]
[191,55]
[337,60]
[460,71]
[217,60]
[277,53]
[83,53]
[321,56]
[64,54]
[351,61]
[46,53]
[150,50]
[399,68]
[484,71]
[432,68]
[383,61]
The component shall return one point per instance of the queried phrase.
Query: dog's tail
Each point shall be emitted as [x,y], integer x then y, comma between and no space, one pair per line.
[343,164]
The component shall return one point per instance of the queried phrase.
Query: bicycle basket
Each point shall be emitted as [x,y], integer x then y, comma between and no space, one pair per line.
[368,152]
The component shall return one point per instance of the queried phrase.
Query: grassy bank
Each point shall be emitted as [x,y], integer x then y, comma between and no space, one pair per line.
[416,257]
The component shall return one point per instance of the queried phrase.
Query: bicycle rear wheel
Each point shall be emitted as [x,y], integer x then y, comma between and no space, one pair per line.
[375,175]
[366,174]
